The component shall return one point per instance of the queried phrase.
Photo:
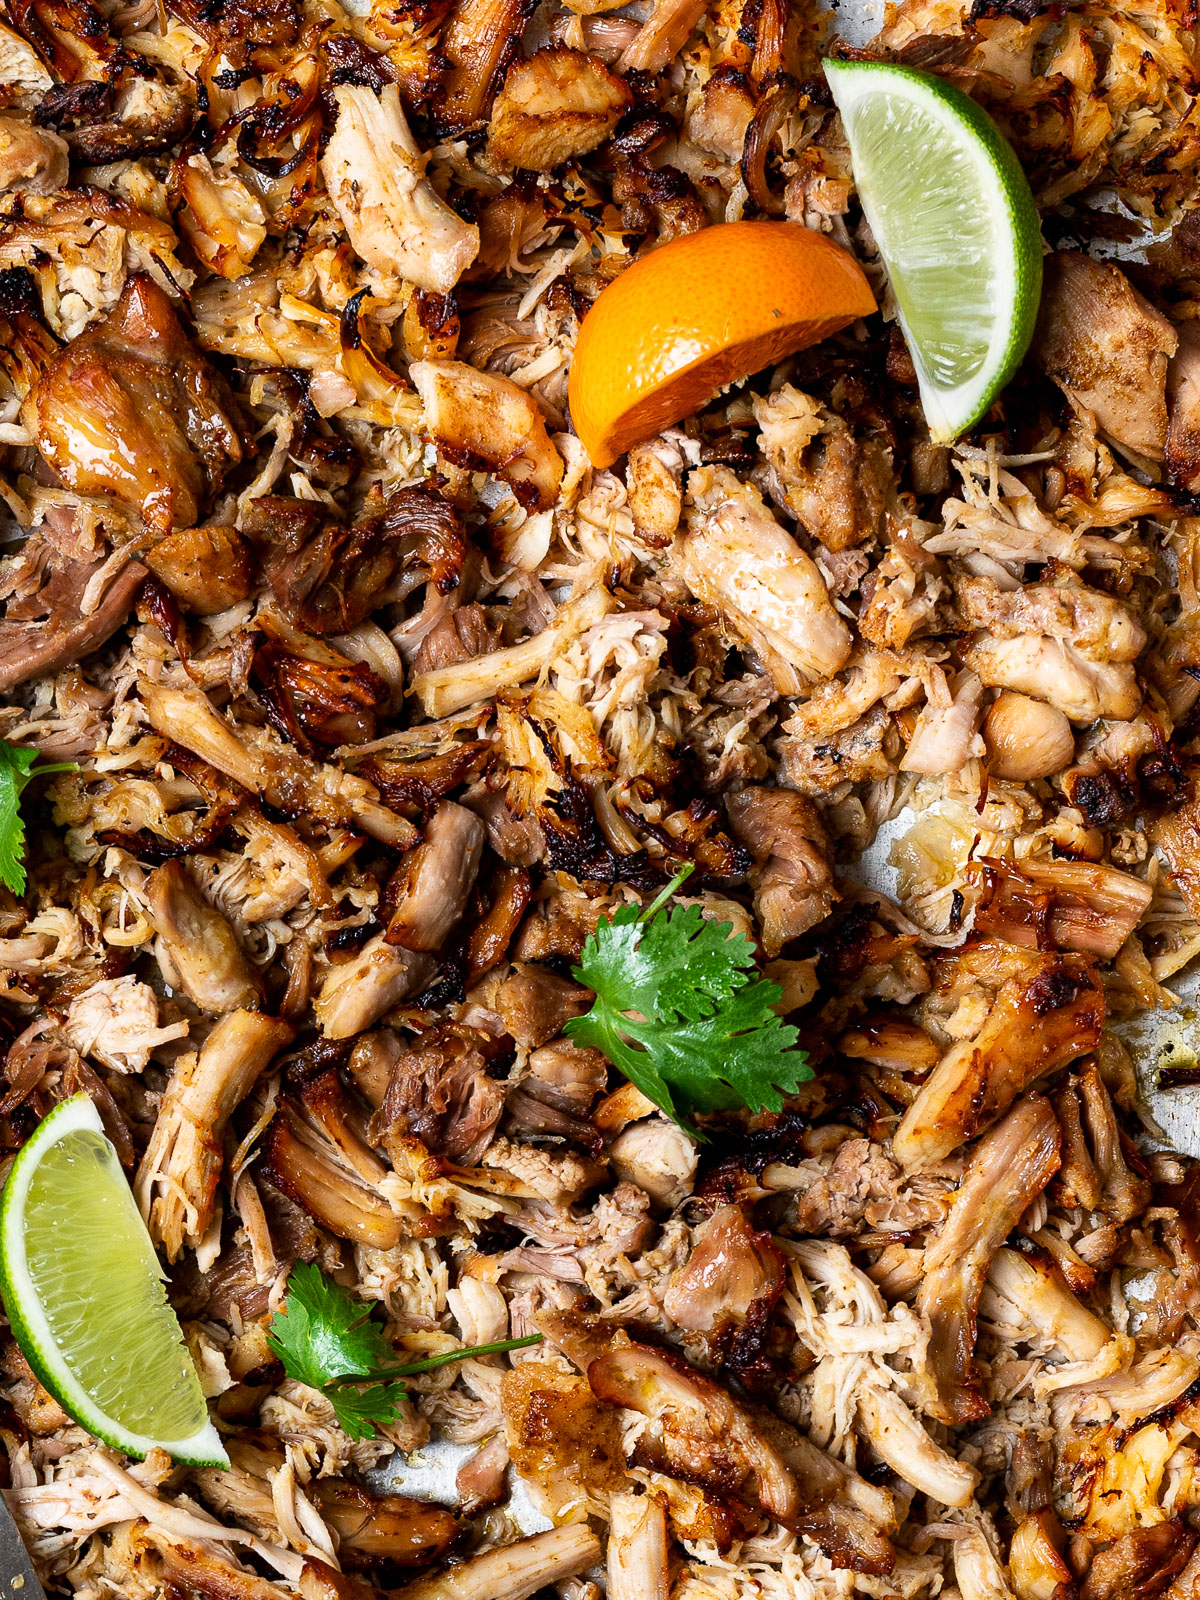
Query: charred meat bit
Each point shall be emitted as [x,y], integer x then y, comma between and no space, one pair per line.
[131,409]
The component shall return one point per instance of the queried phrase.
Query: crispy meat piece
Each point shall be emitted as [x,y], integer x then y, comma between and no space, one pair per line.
[554,105]
[1008,1169]
[732,1272]
[1176,832]
[1096,1169]
[1094,624]
[1107,347]
[396,221]
[664,31]
[130,408]
[1074,905]
[33,160]
[52,631]
[329,577]
[513,1571]
[561,1437]
[735,557]
[206,569]
[224,222]
[316,1158]
[260,22]
[534,1003]
[833,483]
[389,1528]
[197,948]
[439,1090]
[1049,1012]
[705,1436]
[136,115]
[479,39]
[1141,1564]
[1052,670]
[484,421]
[176,1183]
[363,989]
[792,876]
[1183,408]
[436,879]
[273,770]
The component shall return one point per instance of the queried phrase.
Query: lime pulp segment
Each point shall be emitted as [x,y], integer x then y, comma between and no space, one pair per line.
[957,228]
[84,1293]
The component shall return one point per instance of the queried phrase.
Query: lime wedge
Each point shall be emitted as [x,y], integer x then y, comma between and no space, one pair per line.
[84,1293]
[956,225]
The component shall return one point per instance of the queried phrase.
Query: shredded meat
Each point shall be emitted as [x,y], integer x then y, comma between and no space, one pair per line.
[1107,347]
[1008,1169]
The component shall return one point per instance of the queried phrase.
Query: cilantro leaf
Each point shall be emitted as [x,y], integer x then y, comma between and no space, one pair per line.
[324,1333]
[360,1411]
[327,1339]
[679,1011]
[18,767]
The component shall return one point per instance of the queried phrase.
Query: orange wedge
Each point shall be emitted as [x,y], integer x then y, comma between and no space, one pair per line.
[699,313]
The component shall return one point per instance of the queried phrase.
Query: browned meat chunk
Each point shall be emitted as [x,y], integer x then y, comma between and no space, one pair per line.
[176,1183]
[315,1155]
[130,408]
[329,576]
[135,115]
[1079,905]
[1097,626]
[198,950]
[705,1436]
[48,630]
[206,569]
[560,1436]
[440,1092]
[1176,832]
[534,1003]
[1183,407]
[31,159]
[1009,1168]
[1141,1564]
[731,1272]
[480,36]
[735,557]
[834,484]
[484,421]
[363,989]
[1096,1169]
[1107,347]
[1049,1012]
[554,106]
[437,878]
[792,877]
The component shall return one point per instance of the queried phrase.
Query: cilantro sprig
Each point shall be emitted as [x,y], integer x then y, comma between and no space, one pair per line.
[327,1339]
[18,767]
[679,1011]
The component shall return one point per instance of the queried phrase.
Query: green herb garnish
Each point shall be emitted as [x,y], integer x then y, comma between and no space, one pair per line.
[679,1011]
[18,767]
[326,1338]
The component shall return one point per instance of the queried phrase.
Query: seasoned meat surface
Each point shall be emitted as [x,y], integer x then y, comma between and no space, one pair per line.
[696,918]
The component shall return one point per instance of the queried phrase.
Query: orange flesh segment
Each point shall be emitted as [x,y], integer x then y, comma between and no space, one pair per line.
[697,314]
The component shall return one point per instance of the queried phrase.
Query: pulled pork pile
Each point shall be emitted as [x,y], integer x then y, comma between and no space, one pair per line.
[380,698]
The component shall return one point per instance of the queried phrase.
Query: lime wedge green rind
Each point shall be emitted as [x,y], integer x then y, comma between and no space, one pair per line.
[83,1290]
[956,225]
